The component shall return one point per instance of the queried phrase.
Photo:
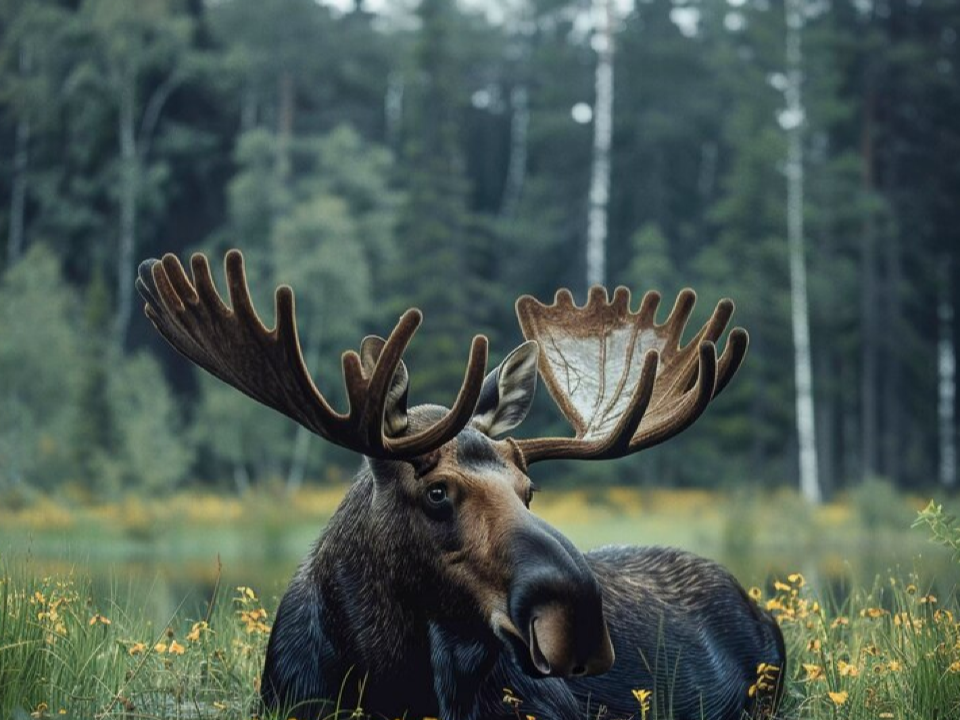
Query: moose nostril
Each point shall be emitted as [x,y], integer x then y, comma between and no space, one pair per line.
[578,670]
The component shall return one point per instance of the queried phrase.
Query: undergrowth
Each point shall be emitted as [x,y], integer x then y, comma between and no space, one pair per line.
[888,652]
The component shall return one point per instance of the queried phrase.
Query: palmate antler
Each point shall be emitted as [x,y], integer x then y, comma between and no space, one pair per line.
[233,344]
[622,381]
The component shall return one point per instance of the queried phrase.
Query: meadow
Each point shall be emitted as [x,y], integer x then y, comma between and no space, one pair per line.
[140,609]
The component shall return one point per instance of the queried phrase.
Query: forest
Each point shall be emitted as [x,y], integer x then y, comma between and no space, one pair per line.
[445,156]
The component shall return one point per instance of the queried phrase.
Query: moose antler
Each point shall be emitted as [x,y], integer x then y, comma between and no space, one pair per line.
[622,381]
[233,344]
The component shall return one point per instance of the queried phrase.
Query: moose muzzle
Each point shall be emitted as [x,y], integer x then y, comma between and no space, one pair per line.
[555,605]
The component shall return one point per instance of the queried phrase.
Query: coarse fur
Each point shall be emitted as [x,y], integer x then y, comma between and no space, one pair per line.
[374,618]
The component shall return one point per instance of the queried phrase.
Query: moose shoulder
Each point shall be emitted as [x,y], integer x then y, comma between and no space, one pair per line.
[434,586]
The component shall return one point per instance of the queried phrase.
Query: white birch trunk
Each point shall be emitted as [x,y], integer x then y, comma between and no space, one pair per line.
[602,135]
[806,431]
[517,168]
[947,386]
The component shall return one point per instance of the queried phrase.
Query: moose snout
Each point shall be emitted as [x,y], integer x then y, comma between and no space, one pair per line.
[556,605]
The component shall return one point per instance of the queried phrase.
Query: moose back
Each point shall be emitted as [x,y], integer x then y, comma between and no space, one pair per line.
[434,591]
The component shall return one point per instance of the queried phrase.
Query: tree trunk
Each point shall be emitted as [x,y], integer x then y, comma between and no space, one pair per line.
[241,478]
[517,168]
[301,444]
[393,111]
[285,125]
[947,375]
[869,426]
[602,136]
[892,375]
[803,371]
[21,159]
[129,192]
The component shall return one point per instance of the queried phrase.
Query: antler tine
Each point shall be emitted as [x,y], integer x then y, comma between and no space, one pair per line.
[458,416]
[372,415]
[732,357]
[691,407]
[678,318]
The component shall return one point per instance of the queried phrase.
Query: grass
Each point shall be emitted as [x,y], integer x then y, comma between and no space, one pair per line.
[892,651]
[886,650]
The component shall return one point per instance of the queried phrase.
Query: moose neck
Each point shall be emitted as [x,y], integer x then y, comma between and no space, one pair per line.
[388,614]
[379,583]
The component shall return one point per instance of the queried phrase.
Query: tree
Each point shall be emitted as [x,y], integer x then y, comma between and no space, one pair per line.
[602,135]
[792,120]
[38,372]
[124,47]
[434,228]
[332,240]
[28,75]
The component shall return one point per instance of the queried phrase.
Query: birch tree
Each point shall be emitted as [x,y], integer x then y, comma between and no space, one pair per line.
[602,135]
[126,43]
[792,120]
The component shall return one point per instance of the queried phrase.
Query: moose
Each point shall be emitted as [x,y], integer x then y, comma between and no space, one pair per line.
[434,591]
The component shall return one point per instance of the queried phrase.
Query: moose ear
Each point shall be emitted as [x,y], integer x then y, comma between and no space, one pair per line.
[508,391]
[395,411]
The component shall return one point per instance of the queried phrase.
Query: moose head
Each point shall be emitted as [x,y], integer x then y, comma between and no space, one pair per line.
[434,562]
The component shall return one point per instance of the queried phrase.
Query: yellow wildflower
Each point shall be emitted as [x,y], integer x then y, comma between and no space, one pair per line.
[98,618]
[814,672]
[813,645]
[643,697]
[954,667]
[839,698]
[846,669]
[873,612]
[137,648]
[198,627]
[894,666]
[782,587]
[931,599]
[840,620]
[797,579]
[160,647]
[755,593]
[176,648]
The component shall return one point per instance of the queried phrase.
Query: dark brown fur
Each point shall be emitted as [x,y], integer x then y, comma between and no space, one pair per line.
[401,604]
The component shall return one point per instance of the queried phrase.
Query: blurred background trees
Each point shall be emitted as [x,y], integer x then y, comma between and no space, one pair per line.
[439,155]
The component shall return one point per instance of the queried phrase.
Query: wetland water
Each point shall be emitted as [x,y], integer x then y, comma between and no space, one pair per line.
[175,569]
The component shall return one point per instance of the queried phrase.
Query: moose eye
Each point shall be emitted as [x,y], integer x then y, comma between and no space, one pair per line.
[436,493]
[530,493]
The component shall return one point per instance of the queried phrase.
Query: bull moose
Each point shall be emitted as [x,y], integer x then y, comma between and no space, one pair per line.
[434,591]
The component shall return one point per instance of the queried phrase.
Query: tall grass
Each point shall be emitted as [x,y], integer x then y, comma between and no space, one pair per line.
[66,653]
[890,651]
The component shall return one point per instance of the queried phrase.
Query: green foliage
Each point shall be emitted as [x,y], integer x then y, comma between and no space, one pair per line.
[39,378]
[381,161]
[943,527]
